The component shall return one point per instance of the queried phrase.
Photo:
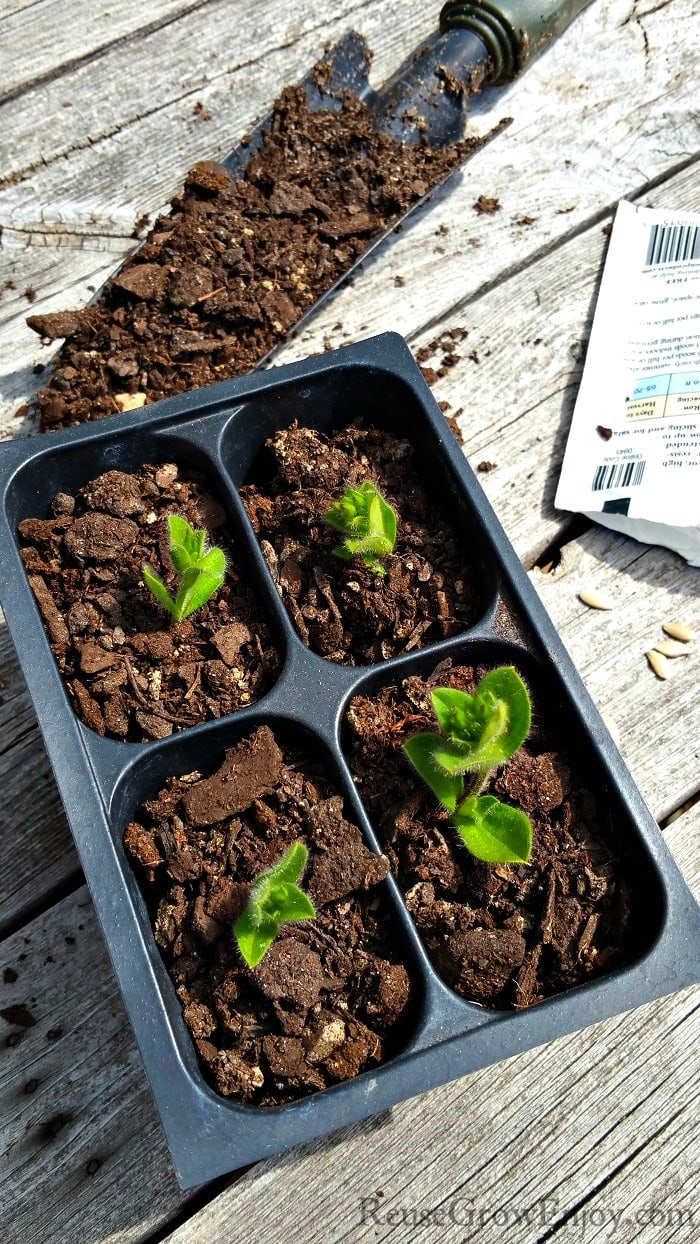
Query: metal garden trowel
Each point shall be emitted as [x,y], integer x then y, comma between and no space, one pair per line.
[479,43]
[164,323]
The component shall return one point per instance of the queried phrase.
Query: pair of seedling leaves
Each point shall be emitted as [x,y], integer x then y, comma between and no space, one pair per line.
[368,523]
[361,514]
[200,570]
[479,733]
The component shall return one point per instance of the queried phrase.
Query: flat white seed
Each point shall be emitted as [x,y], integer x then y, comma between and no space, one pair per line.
[673,648]
[658,663]
[594,601]
[678,630]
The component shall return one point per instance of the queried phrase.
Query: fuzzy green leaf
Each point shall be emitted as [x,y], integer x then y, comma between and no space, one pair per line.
[254,940]
[275,899]
[420,751]
[369,524]
[383,518]
[452,758]
[493,831]
[507,686]
[186,543]
[295,904]
[291,866]
[454,710]
[490,725]
[200,571]
[213,563]
[159,590]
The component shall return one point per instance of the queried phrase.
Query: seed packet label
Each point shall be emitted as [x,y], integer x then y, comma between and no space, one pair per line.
[632,458]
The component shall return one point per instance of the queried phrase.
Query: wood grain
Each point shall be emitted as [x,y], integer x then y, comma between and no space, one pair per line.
[38,852]
[43,42]
[658,721]
[83,1156]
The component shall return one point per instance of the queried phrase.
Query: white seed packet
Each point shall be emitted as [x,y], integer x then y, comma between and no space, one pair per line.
[632,458]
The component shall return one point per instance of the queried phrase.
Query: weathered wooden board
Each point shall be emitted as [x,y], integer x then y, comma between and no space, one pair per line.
[80,1136]
[38,855]
[99,190]
[503,1154]
[228,55]
[42,42]
[659,722]
[83,1156]
[139,142]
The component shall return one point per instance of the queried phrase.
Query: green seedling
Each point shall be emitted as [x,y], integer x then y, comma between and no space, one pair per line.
[275,899]
[479,733]
[368,524]
[200,570]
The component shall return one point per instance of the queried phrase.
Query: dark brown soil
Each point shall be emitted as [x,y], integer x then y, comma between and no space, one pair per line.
[130,671]
[341,609]
[330,996]
[224,277]
[502,935]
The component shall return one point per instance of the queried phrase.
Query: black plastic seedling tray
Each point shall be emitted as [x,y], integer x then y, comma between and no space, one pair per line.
[102,782]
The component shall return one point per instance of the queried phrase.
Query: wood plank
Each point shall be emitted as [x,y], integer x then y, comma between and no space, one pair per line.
[80,1137]
[43,41]
[659,722]
[38,852]
[105,186]
[654,1203]
[244,54]
[518,369]
[511,1152]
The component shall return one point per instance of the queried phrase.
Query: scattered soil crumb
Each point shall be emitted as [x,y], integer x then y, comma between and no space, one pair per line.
[486,206]
[19,1015]
[223,278]
[439,356]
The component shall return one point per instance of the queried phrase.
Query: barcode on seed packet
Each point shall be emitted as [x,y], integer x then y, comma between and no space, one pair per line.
[640,389]
[618,475]
[673,244]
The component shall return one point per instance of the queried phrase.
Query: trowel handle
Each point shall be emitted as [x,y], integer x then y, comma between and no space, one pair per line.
[513,31]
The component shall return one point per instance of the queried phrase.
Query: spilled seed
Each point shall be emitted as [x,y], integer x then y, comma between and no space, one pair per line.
[673,648]
[594,601]
[678,630]
[659,663]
